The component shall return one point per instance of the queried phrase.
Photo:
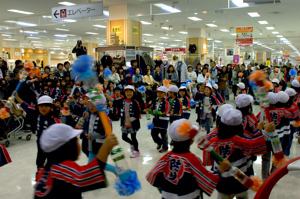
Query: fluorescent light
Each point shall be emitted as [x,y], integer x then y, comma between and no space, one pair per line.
[166,28]
[48,17]
[279,36]
[10,39]
[173,45]
[195,18]
[164,37]
[99,26]
[91,33]
[167,8]
[233,34]
[36,41]
[37,44]
[177,40]
[253,14]
[145,22]
[150,35]
[20,11]
[148,41]
[263,22]
[30,32]
[69,20]
[270,28]
[58,35]
[62,29]
[209,39]
[33,38]
[22,23]
[56,46]
[183,32]
[224,30]
[58,43]
[71,35]
[218,41]
[275,32]
[106,13]
[4,35]
[240,3]
[211,25]
[65,3]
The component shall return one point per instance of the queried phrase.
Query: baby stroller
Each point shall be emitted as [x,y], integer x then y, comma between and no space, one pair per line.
[10,127]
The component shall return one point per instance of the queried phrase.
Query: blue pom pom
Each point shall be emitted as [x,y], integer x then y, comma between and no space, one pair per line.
[83,68]
[252,83]
[127,183]
[107,73]
[110,168]
[150,126]
[188,81]
[183,85]
[293,72]
[142,89]
[192,102]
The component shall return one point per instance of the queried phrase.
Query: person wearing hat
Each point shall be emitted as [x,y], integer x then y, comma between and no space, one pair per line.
[130,115]
[241,89]
[185,101]
[79,49]
[275,83]
[180,173]
[161,111]
[192,74]
[231,143]
[296,86]
[62,177]
[217,95]
[175,104]
[43,115]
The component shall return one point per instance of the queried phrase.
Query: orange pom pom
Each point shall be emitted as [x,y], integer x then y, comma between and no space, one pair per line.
[298,79]
[4,114]
[28,65]
[279,162]
[166,82]
[268,85]
[258,75]
[277,70]
[168,86]
[207,75]
[99,86]
[65,112]
[185,128]
[296,123]
[241,75]
[257,182]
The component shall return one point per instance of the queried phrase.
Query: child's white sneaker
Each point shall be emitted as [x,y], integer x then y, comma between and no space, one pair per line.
[135,154]
[131,148]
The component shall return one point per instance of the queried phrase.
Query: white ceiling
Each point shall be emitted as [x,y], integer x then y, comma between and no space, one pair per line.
[282,16]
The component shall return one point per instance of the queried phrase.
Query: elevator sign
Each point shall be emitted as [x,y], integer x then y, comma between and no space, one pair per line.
[244,36]
[77,11]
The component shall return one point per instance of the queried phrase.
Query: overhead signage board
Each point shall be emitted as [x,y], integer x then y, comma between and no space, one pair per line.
[297,59]
[77,11]
[286,54]
[244,36]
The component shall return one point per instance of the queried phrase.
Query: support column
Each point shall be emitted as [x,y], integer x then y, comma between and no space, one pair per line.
[91,45]
[48,59]
[128,32]
[230,48]
[196,36]
[45,61]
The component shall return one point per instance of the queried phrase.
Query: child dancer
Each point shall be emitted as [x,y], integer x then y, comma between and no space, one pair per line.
[181,174]
[160,109]
[241,89]
[217,95]
[130,114]
[62,177]
[175,104]
[45,90]
[43,117]
[275,83]
[185,101]
[57,92]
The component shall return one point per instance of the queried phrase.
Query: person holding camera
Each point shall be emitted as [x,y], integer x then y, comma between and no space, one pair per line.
[79,49]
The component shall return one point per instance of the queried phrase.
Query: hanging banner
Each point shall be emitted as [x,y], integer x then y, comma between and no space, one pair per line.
[244,36]
[117,29]
[135,30]
[297,59]
[286,54]
[175,49]
[236,59]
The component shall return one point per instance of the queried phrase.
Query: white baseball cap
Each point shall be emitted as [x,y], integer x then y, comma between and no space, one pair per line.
[174,89]
[173,130]
[208,85]
[241,85]
[282,97]
[56,136]
[272,98]
[45,99]
[232,117]
[129,87]
[215,86]
[295,83]
[223,108]
[291,92]
[182,88]
[162,89]
[275,81]
[243,100]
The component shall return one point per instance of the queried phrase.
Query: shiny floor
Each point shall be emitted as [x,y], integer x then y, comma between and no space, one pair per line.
[17,178]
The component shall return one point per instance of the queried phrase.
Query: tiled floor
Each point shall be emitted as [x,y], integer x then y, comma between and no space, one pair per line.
[17,178]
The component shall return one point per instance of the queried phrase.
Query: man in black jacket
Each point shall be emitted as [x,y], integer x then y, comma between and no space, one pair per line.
[244,78]
[79,50]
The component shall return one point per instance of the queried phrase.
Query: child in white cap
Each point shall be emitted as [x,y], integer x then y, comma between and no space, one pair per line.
[231,143]
[175,104]
[62,177]
[161,111]
[181,174]
[130,114]
[185,101]
[275,83]
[241,89]
[43,115]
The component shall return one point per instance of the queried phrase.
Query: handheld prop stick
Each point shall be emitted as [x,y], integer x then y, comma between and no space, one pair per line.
[189,84]
[276,73]
[207,78]
[81,120]
[106,74]
[150,124]
[127,182]
[4,112]
[65,109]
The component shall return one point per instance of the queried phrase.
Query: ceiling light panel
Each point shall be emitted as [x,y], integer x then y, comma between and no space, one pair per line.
[212,25]
[66,3]
[279,36]
[183,32]
[224,30]
[239,3]
[270,28]
[21,12]
[30,32]
[99,26]
[164,37]
[33,37]
[69,20]
[275,32]
[22,23]
[59,35]
[167,8]
[195,18]
[106,13]
[253,14]
[145,23]
[150,35]
[61,29]
[10,39]
[263,22]
[91,33]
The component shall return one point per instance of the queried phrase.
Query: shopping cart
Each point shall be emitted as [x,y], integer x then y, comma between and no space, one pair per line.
[10,128]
